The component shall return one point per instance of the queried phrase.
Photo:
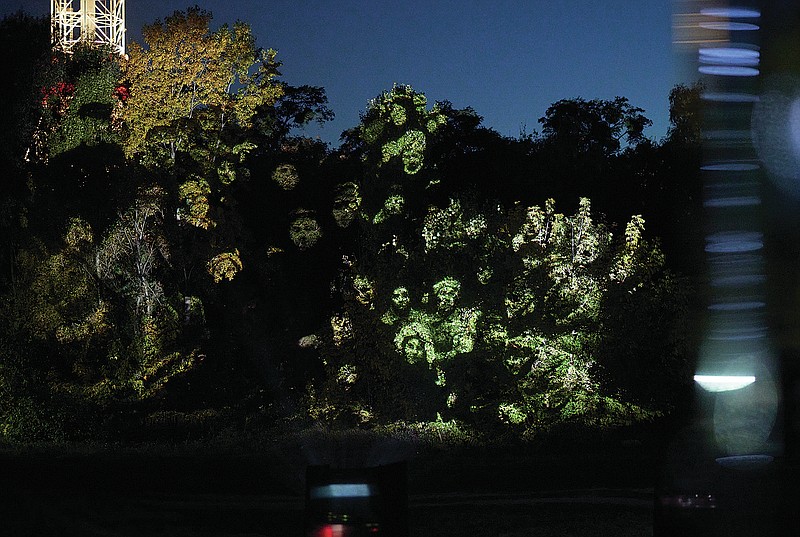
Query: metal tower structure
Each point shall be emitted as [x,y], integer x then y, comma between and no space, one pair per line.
[100,22]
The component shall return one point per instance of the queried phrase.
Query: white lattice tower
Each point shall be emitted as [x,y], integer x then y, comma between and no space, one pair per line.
[101,22]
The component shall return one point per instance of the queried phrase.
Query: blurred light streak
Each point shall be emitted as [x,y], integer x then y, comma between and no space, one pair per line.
[739,280]
[731,12]
[341,490]
[734,242]
[744,461]
[736,201]
[731,167]
[729,26]
[727,70]
[729,97]
[724,383]
[737,306]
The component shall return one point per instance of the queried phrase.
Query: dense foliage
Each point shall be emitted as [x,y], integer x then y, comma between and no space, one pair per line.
[177,256]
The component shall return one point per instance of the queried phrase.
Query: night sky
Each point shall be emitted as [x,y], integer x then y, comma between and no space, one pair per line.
[509,60]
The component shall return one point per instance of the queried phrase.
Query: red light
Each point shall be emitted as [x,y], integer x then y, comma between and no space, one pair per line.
[330,530]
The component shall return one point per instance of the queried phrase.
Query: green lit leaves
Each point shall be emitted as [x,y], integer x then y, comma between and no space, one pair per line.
[305,231]
[225,266]
[196,204]
[410,148]
[393,206]
[182,83]
[450,229]
[396,126]
[523,295]
[286,176]
[80,110]
[346,203]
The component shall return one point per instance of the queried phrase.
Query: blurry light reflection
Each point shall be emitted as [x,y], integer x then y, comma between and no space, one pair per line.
[731,167]
[737,201]
[729,26]
[740,335]
[738,280]
[727,70]
[729,97]
[737,306]
[729,53]
[734,241]
[743,62]
[731,12]
[724,383]
[745,461]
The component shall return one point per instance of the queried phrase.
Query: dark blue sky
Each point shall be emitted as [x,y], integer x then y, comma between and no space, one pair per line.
[509,60]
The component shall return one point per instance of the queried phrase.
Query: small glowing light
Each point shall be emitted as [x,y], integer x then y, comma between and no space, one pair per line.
[331,530]
[735,201]
[341,490]
[731,167]
[731,12]
[729,97]
[724,383]
[728,70]
[689,501]
[731,26]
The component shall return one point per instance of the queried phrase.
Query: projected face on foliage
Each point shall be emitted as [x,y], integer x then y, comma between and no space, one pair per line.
[400,298]
[446,291]
[414,349]
[414,342]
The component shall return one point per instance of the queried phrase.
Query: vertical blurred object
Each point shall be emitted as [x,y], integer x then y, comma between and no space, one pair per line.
[726,473]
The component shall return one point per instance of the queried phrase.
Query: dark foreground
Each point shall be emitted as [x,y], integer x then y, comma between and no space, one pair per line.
[584,513]
[477,492]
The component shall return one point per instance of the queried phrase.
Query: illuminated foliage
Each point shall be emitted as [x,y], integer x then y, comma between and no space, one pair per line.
[397,124]
[305,232]
[97,313]
[196,205]
[516,331]
[78,102]
[193,97]
[224,266]
[413,274]
[346,203]
[191,83]
[286,176]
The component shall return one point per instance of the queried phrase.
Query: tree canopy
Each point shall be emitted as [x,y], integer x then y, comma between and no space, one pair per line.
[175,249]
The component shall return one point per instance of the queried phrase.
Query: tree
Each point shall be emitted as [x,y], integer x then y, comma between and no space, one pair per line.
[194,95]
[685,108]
[296,107]
[593,128]
[489,313]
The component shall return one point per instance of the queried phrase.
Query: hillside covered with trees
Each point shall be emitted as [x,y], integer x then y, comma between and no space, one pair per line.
[177,260]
